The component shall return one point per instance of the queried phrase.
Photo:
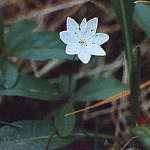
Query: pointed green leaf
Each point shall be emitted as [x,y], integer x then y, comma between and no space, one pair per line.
[9,73]
[66,124]
[141,16]
[99,89]
[29,86]
[124,10]
[41,45]
[17,32]
[135,83]
[143,133]
[1,30]
[34,135]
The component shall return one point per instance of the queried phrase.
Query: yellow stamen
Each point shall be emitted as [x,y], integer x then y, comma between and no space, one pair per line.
[81,42]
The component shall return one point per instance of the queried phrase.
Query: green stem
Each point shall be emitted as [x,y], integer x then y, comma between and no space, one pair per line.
[64,109]
[103,136]
[54,130]
[70,79]
[10,124]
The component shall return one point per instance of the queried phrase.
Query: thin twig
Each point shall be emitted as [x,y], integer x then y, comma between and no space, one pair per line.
[128,142]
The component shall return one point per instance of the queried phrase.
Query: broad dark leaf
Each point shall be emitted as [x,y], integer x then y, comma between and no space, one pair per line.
[34,135]
[99,89]
[29,86]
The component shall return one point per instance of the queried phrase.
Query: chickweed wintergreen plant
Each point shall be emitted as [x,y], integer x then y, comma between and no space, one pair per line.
[83,41]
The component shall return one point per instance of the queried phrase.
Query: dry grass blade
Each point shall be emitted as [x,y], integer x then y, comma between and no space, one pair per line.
[110,99]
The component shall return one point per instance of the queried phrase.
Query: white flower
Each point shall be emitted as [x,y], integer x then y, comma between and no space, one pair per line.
[83,40]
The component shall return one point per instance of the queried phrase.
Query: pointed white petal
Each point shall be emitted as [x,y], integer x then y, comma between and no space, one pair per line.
[83,25]
[91,28]
[99,38]
[94,49]
[84,57]
[68,37]
[73,48]
[72,25]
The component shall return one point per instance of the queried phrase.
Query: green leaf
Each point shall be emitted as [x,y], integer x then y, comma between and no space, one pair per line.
[99,89]
[143,133]
[18,31]
[124,10]
[64,82]
[66,124]
[135,83]
[29,86]
[9,73]
[1,30]
[141,16]
[33,135]
[41,45]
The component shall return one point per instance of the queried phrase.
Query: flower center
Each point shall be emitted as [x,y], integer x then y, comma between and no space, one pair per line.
[81,42]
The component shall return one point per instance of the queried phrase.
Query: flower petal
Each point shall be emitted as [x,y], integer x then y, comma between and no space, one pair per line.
[73,48]
[83,25]
[91,28]
[68,37]
[72,25]
[84,56]
[99,38]
[94,49]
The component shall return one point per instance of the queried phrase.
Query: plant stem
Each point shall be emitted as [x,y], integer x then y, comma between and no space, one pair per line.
[70,79]
[55,126]
[54,130]
[10,124]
